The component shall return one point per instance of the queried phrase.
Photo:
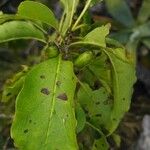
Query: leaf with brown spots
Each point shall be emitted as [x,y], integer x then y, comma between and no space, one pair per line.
[52,120]
[92,102]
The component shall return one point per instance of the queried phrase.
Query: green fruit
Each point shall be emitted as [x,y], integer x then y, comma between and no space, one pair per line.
[83,59]
[51,51]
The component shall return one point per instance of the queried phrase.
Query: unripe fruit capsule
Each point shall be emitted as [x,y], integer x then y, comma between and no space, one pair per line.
[83,59]
[51,51]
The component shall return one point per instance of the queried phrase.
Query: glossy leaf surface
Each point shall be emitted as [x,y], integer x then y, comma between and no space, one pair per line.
[37,11]
[14,30]
[44,117]
[98,35]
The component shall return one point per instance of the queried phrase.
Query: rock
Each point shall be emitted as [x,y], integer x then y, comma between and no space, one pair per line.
[144,140]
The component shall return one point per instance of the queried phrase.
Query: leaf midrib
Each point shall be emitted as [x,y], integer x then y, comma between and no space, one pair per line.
[52,104]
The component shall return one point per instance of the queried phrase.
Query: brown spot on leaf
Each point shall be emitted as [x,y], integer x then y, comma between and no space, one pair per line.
[42,77]
[45,91]
[26,131]
[63,97]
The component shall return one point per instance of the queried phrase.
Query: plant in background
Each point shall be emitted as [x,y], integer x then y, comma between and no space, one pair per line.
[82,87]
[132,31]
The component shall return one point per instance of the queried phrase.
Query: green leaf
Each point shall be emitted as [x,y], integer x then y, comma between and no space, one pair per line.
[100,144]
[144,12]
[116,139]
[138,34]
[45,117]
[113,43]
[15,30]
[96,104]
[100,68]
[81,118]
[10,92]
[14,85]
[123,68]
[121,36]
[69,10]
[141,31]
[120,11]
[98,35]
[37,11]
